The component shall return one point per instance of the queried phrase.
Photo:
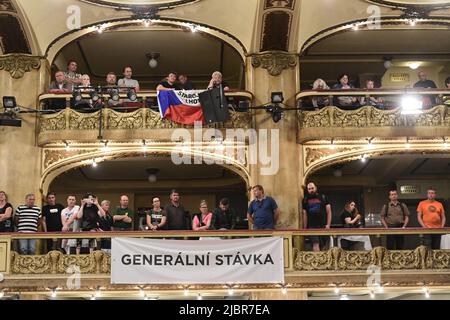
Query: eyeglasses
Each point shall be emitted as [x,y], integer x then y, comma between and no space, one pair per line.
[203,207]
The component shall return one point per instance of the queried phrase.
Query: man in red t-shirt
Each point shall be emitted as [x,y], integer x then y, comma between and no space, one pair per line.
[431,214]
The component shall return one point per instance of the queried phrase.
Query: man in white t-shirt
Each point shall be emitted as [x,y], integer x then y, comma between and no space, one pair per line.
[70,223]
[126,81]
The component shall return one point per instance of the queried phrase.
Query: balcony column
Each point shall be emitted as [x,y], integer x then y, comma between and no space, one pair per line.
[278,72]
[24,77]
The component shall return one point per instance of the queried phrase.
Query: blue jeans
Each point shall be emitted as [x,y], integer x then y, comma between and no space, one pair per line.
[27,246]
[264,227]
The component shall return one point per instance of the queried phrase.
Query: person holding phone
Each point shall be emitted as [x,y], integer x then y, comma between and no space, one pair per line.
[89,215]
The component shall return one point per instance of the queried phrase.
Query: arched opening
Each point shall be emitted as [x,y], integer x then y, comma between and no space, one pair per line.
[143,177]
[368,181]
[391,55]
[196,54]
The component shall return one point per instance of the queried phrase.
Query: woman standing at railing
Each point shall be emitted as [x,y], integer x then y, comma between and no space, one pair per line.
[6,211]
[320,102]
[202,221]
[352,218]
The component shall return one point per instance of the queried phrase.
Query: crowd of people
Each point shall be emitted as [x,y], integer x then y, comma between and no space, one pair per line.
[91,215]
[70,81]
[317,214]
[349,102]
[263,213]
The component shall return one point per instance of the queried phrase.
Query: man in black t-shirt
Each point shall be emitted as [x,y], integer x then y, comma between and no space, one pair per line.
[89,215]
[316,215]
[51,222]
[224,217]
[177,218]
[424,83]
[169,83]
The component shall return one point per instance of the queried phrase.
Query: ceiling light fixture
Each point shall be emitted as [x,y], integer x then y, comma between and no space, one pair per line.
[414,65]
[153,59]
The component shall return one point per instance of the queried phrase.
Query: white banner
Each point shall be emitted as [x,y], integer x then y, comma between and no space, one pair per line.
[189,97]
[246,261]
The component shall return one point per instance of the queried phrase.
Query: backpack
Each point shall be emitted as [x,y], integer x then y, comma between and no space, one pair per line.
[386,210]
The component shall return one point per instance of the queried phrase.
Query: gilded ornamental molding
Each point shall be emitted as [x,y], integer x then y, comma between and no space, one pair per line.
[18,64]
[372,117]
[275,61]
[337,259]
[55,262]
[141,119]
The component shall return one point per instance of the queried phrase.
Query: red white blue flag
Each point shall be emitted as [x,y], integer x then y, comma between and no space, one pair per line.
[181,106]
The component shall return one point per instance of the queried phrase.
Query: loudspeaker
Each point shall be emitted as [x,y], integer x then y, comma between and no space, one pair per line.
[214,106]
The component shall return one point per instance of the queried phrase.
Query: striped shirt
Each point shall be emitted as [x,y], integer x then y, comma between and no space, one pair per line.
[28,218]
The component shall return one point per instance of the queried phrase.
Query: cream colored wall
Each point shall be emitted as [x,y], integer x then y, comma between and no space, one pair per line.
[318,15]
[374,199]
[20,156]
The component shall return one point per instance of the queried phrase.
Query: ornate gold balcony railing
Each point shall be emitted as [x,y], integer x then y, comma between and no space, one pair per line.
[140,123]
[296,259]
[334,122]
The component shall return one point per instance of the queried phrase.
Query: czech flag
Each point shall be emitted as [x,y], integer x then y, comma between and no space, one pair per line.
[181,106]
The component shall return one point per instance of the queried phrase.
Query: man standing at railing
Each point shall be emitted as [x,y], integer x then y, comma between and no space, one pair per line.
[177,218]
[127,81]
[59,86]
[51,214]
[263,211]
[123,216]
[28,219]
[395,215]
[71,75]
[431,214]
[424,83]
[316,215]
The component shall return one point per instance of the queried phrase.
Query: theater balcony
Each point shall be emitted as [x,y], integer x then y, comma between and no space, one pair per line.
[397,116]
[372,270]
[139,120]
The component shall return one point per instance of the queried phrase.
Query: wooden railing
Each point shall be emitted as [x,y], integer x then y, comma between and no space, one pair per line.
[146,99]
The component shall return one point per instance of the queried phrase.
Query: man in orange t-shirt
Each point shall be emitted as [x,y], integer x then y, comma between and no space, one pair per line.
[431,214]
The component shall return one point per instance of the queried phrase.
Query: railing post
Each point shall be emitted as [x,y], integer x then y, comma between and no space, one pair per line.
[67,116]
[5,254]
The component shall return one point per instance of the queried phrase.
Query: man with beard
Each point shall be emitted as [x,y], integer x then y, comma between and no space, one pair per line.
[316,215]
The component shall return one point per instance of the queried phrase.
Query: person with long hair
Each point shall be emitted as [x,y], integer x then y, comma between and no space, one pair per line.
[6,213]
[202,221]
[351,218]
